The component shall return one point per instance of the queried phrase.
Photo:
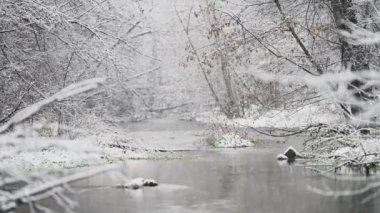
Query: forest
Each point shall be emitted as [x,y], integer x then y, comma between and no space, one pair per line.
[104,92]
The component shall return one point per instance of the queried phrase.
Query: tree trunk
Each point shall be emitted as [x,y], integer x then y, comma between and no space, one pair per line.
[354,58]
[232,106]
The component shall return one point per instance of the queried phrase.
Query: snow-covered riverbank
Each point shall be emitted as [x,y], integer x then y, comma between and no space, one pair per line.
[47,153]
[142,140]
[113,144]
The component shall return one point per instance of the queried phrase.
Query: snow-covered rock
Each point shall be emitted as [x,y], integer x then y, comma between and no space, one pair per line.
[150,182]
[289,154]
[135,183]
[292,153]
[138,183]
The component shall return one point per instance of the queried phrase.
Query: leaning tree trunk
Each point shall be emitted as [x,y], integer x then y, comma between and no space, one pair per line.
[232,108]
[354,58]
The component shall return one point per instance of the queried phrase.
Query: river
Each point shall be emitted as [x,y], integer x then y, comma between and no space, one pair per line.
[216,180]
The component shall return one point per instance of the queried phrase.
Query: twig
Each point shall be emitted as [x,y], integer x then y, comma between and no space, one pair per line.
[7,31]
[281,135]
[168,108]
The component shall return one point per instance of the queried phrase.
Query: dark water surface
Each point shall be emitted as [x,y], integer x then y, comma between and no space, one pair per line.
[247,180]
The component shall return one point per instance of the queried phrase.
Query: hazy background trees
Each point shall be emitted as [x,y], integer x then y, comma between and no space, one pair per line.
[297,38]
[177,56]
[47,45]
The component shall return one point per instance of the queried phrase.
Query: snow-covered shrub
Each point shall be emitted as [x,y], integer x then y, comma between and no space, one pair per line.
[343,142]
[325,139]
[225,134]
[232,141]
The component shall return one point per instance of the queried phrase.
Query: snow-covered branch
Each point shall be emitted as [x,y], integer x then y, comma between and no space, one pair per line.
[69,91]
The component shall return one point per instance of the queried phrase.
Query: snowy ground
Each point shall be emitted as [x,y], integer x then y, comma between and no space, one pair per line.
[229,133]
[293,118]
[231,140]
[45,153]
[141,140]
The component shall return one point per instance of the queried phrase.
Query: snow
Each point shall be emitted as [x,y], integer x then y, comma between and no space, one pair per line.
[292,149]
[357,35]
[138,183]
[25,148]
[347,152]
[302,117]
[286,118]
[289,153]
[366,146]
[58,159]
[231,140]
[135,183]
[282,157]
[46,153]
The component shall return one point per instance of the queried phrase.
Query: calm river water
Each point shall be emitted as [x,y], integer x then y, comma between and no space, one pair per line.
[220,180]
[247,180]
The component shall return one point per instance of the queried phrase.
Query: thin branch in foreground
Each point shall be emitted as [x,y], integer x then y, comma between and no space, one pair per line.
[28,192]
[71,90]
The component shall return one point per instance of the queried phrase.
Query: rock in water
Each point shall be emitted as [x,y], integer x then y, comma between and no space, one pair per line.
[139,183]
[282,157]
[150,182]
[291,153]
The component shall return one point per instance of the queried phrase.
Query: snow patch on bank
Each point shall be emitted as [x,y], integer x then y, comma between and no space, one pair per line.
[232,141]
[369,149]
[302,117]
[52,153]
[285,118]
